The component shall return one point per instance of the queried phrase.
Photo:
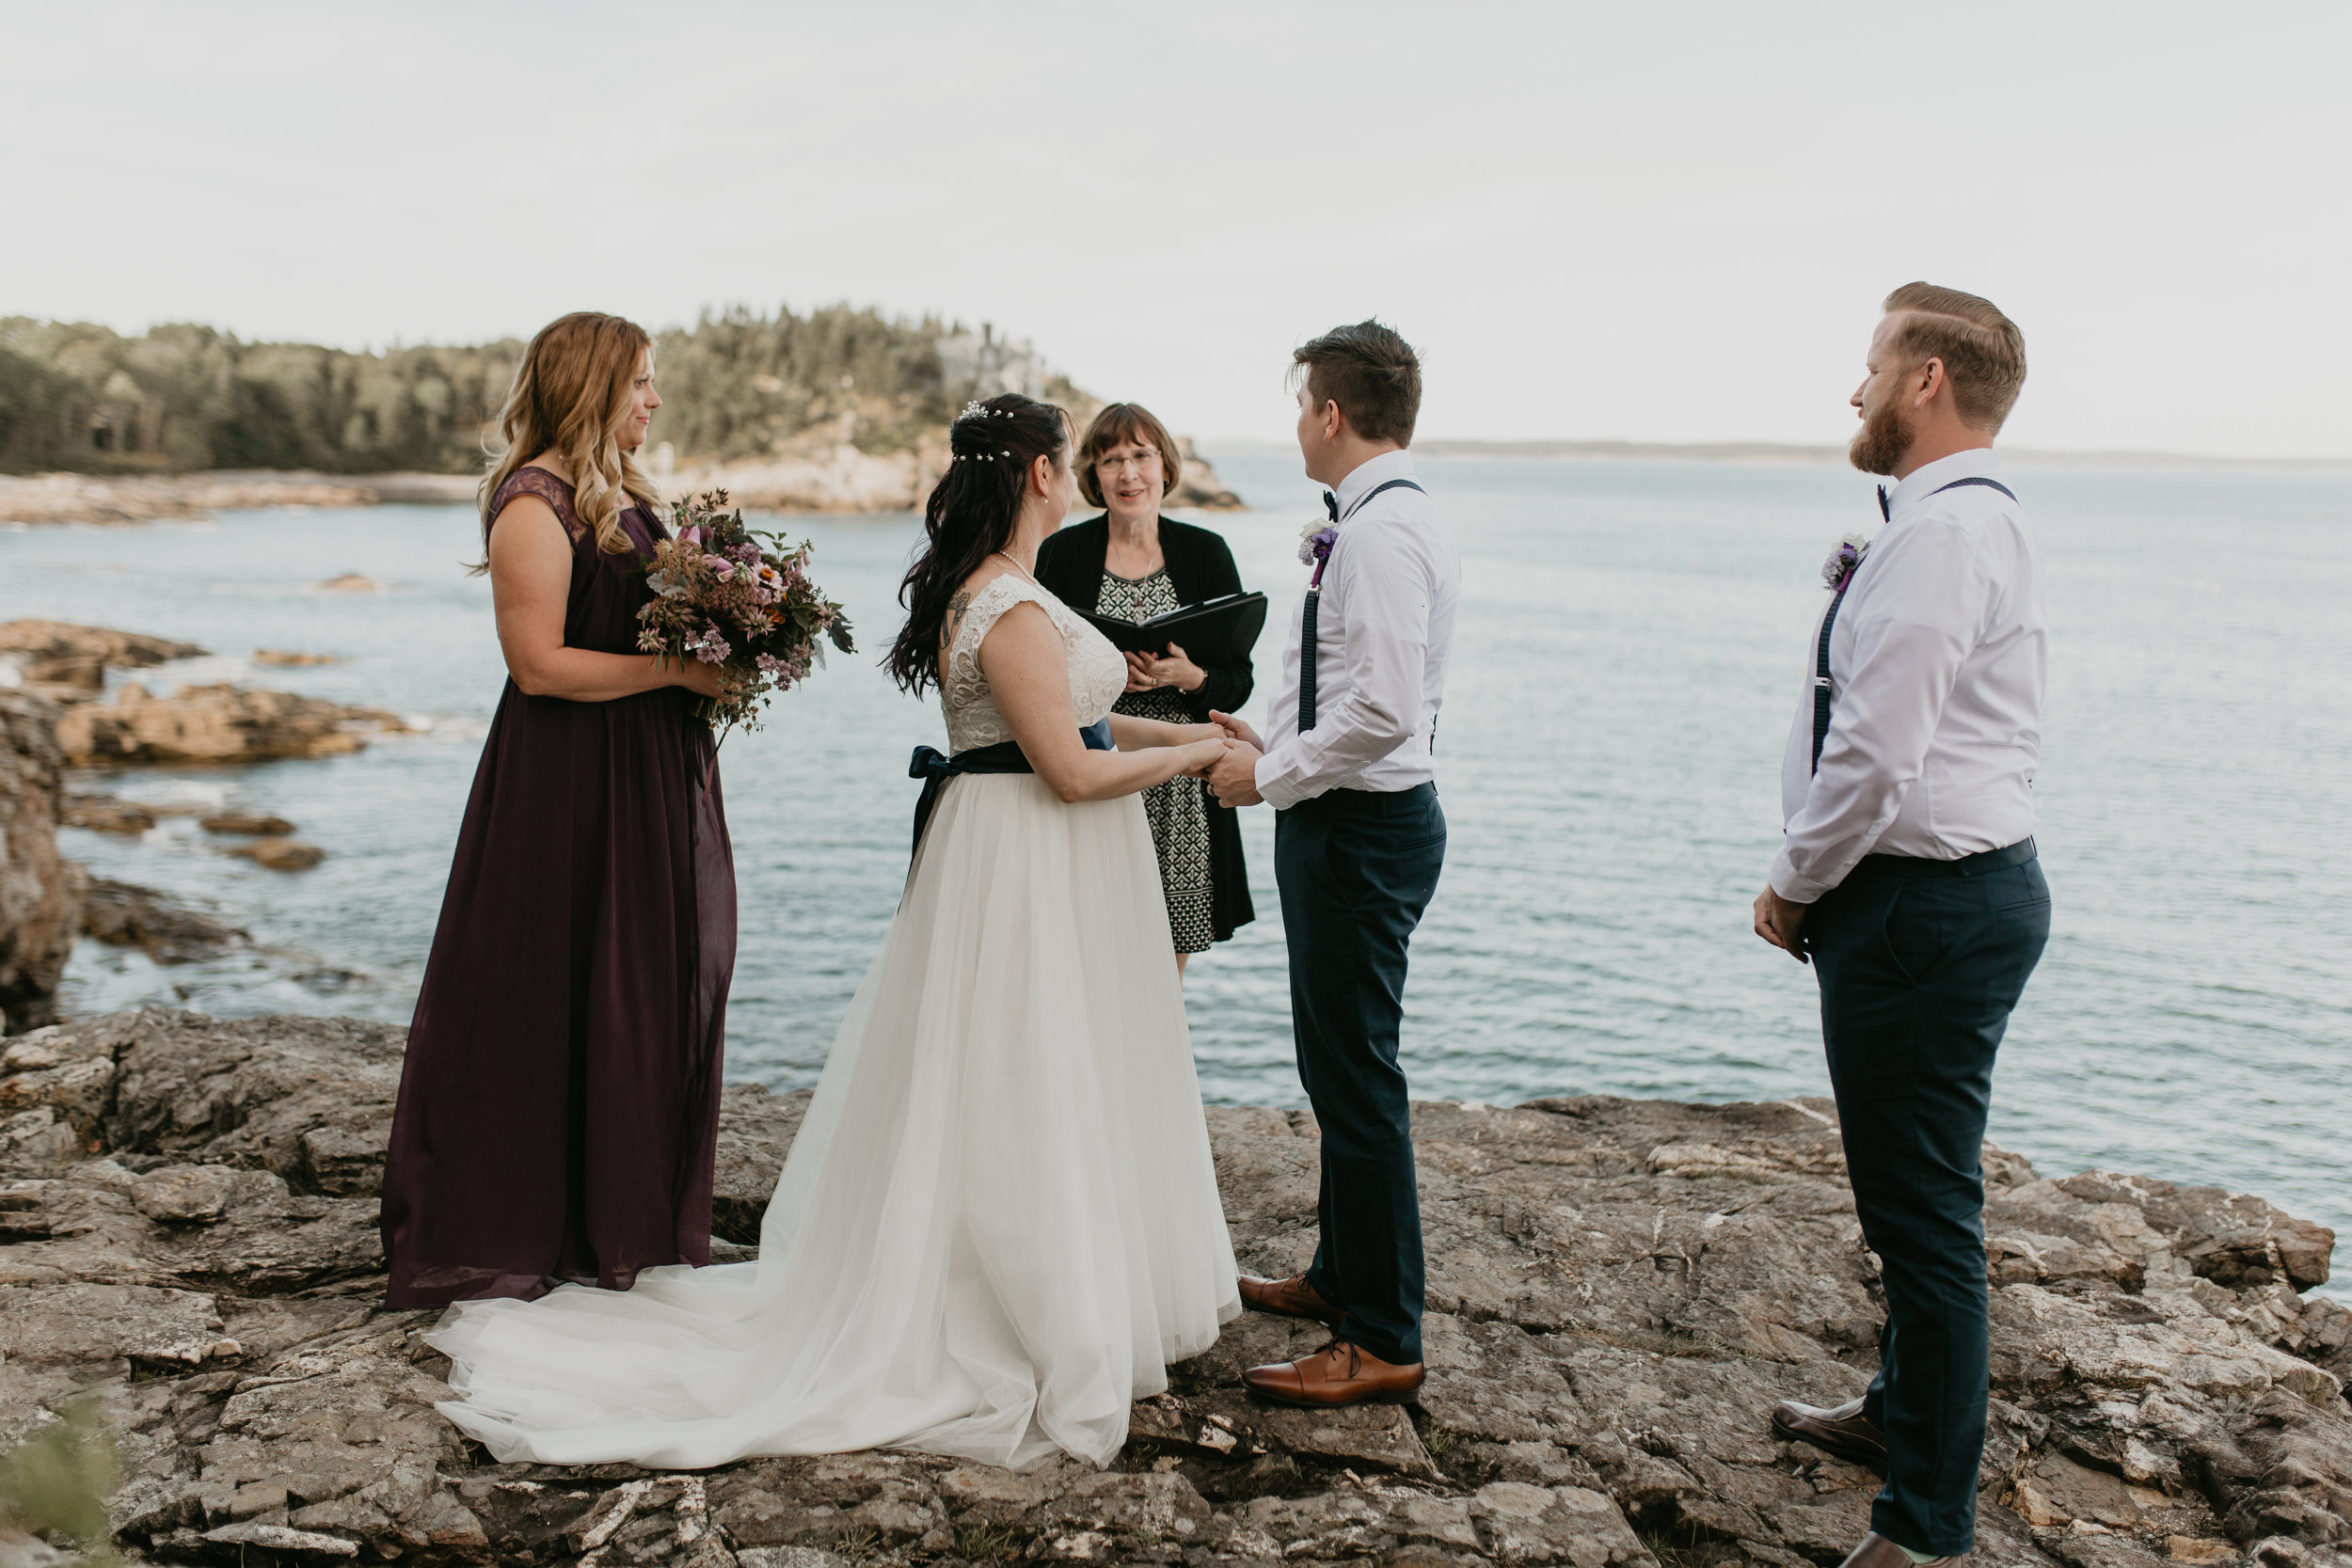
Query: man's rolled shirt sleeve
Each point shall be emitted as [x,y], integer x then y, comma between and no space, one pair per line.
[1920,622]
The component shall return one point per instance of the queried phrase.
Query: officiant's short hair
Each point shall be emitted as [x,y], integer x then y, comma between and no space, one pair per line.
[1982,350]
[1119,423]
[1371,373]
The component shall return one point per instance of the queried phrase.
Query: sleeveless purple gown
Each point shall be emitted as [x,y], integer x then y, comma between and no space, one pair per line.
[559,1103]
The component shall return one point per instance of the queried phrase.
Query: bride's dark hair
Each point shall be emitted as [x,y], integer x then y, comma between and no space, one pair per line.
[970,514]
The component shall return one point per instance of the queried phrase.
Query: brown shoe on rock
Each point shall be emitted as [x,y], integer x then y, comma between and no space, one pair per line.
[1293,1297]
[1841,1430]
[1876,1551]
[1339,1374]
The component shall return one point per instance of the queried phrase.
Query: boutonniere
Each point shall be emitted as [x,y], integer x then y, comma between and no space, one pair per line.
[1845,560]
[1315,547]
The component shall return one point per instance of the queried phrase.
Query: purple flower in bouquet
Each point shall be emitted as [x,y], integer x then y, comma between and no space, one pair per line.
[738,598]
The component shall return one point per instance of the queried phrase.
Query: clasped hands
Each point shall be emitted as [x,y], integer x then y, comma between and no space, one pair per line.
[1234,774]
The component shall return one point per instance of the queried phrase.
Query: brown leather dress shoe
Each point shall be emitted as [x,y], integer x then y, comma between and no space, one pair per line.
[1339,1374]
[1293,1297]
[1876,1551]
[1841,1430]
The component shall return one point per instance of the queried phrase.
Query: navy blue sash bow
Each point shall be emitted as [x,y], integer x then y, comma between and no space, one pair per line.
[935,767]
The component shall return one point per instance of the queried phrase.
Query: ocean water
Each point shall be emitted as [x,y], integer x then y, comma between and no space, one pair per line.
[1630,650]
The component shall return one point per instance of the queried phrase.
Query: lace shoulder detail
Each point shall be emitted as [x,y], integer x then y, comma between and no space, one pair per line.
[539,483]
[985,609]
[1097,674]
[964,699]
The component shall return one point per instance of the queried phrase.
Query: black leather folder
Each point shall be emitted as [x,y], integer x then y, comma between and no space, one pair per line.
[1219,631]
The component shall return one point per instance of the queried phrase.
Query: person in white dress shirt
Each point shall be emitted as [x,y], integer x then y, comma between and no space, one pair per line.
[1358,842]
[1909,878]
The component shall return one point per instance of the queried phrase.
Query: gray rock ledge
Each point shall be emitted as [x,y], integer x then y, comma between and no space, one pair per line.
[1619,1290]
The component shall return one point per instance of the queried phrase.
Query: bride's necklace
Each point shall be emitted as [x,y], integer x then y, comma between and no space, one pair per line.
[1018,567]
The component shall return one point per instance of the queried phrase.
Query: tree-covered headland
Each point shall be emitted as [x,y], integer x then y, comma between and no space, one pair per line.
[740,384]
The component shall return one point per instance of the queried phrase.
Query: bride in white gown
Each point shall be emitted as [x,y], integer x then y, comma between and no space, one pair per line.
[999,1221]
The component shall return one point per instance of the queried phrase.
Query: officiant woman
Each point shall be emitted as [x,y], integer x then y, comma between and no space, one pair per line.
[1132,564]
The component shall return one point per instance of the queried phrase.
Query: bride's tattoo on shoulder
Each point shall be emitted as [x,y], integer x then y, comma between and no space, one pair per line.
[956,607]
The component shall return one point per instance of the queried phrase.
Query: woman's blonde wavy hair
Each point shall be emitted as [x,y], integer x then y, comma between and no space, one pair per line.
[570,396]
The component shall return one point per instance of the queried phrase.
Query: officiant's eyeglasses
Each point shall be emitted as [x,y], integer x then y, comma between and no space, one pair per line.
[1109,465]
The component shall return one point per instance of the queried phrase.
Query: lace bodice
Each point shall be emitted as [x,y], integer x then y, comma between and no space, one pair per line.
[1097,674]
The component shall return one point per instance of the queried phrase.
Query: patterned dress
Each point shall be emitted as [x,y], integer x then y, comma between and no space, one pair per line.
[1179,809]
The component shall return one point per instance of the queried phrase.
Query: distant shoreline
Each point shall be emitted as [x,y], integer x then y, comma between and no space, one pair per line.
[837,481]
[109,498]
[1790,452]
[851,482]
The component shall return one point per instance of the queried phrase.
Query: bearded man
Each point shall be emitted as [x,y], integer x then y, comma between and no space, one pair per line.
[1908,880]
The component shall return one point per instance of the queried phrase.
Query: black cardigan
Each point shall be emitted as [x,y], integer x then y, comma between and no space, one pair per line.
[1200,566]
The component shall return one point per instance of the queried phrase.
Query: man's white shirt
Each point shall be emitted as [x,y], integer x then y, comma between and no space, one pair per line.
[1937,665]
[1383,632]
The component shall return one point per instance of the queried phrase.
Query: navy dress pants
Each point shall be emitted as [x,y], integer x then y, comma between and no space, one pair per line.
[1920,963]
[1357,868]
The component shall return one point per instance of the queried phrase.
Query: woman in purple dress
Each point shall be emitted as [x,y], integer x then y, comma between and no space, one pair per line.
[560,1102]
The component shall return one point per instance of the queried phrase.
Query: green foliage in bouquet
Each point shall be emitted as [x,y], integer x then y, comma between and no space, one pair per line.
[740,598]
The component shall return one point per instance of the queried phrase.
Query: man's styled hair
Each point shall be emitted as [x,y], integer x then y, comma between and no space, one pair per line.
[1116,425]
[1982,351]
[1371,373]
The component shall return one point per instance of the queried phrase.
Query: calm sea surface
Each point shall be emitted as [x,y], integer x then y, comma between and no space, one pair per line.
[1629,657]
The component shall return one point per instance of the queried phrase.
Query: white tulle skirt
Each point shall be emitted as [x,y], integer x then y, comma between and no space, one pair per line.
[999,1221]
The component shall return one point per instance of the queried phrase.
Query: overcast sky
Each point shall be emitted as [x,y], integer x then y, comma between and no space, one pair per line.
[1657,223]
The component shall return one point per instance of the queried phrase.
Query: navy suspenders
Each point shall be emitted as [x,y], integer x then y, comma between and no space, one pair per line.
[1307,620]
[1820,662]
[1988,483]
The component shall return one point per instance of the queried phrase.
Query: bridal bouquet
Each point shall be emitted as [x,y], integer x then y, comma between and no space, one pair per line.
[738,598]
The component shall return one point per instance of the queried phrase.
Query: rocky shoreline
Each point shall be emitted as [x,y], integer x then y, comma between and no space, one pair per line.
[59,663]
[1619,1291]
[44,498]
[823,472]
[808,475]
[53,675]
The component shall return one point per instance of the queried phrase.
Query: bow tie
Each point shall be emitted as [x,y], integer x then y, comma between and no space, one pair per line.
[1885,514]
[1331,505]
